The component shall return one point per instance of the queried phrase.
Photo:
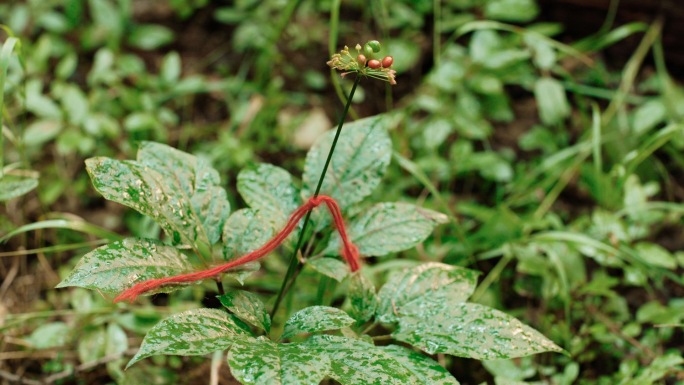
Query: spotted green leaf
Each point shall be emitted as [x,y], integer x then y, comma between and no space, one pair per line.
[248,307]
[190,333]
[316,319]
[389,227]
[355,362]
[429,280]
[270,190]
[468,330]
[362,296]
[198,180]
[153,194]
[429,371]
[360,160]
[245,231]
[331,267]
[119,265]
[264,362]
[13,187]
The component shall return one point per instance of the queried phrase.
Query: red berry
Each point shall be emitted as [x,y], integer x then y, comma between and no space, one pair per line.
[361,59]
[387,61]
[374,64]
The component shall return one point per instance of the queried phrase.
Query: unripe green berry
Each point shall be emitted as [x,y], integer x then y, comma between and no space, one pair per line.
[368,50]
[375,45]
[374,64]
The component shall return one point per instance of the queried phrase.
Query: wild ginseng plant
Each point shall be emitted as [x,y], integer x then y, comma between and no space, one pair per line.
[424,306]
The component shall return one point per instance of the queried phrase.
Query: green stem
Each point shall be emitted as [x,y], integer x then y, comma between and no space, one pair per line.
[294,262]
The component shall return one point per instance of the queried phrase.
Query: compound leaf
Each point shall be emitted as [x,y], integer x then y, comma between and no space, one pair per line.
[360,160]
[269,189]
[193,332]
[248,307]
[389,227]
[355,362]
[153,194]
[316,319]
[198,180]
[429,371]
[362,296]
[429,280]
[245,231]
[264,362]
[119,265]
[468,330]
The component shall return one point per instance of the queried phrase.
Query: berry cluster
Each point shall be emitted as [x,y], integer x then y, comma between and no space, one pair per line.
[364,63]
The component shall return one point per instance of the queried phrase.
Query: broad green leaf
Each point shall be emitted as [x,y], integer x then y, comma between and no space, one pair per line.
[264,362]
[429,280]
[117,340]
[270,190]
[429,371]
[655,255]
[91,343]
[171,67]
[245,231]
[153,194]
[13,187]
[360,160]
[355,362]
[42,131]
[117,266]
[191,333]
[362,296]
[316,319]
[247,307]
[150,36]
[438,325]
[551,101]
[389,227]
[198,180]
[49,335]
[518,11]
[331,267]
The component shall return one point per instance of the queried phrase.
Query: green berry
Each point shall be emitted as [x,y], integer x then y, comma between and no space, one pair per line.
[368,50]
[375,45]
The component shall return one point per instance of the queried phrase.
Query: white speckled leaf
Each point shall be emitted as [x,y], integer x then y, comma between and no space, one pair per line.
[429,280]
[428,370]
[355,362]
[331,267]
[362,296]
[190,333]
[248,307]
[119,265]
[264,362]
[269,189]
[14,186]
[388,228]
[245,231]
[360,160]
[468,330]
[198,180]
[316,319]
[151,193]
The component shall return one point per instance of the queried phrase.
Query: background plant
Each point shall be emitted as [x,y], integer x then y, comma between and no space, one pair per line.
[572,218]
